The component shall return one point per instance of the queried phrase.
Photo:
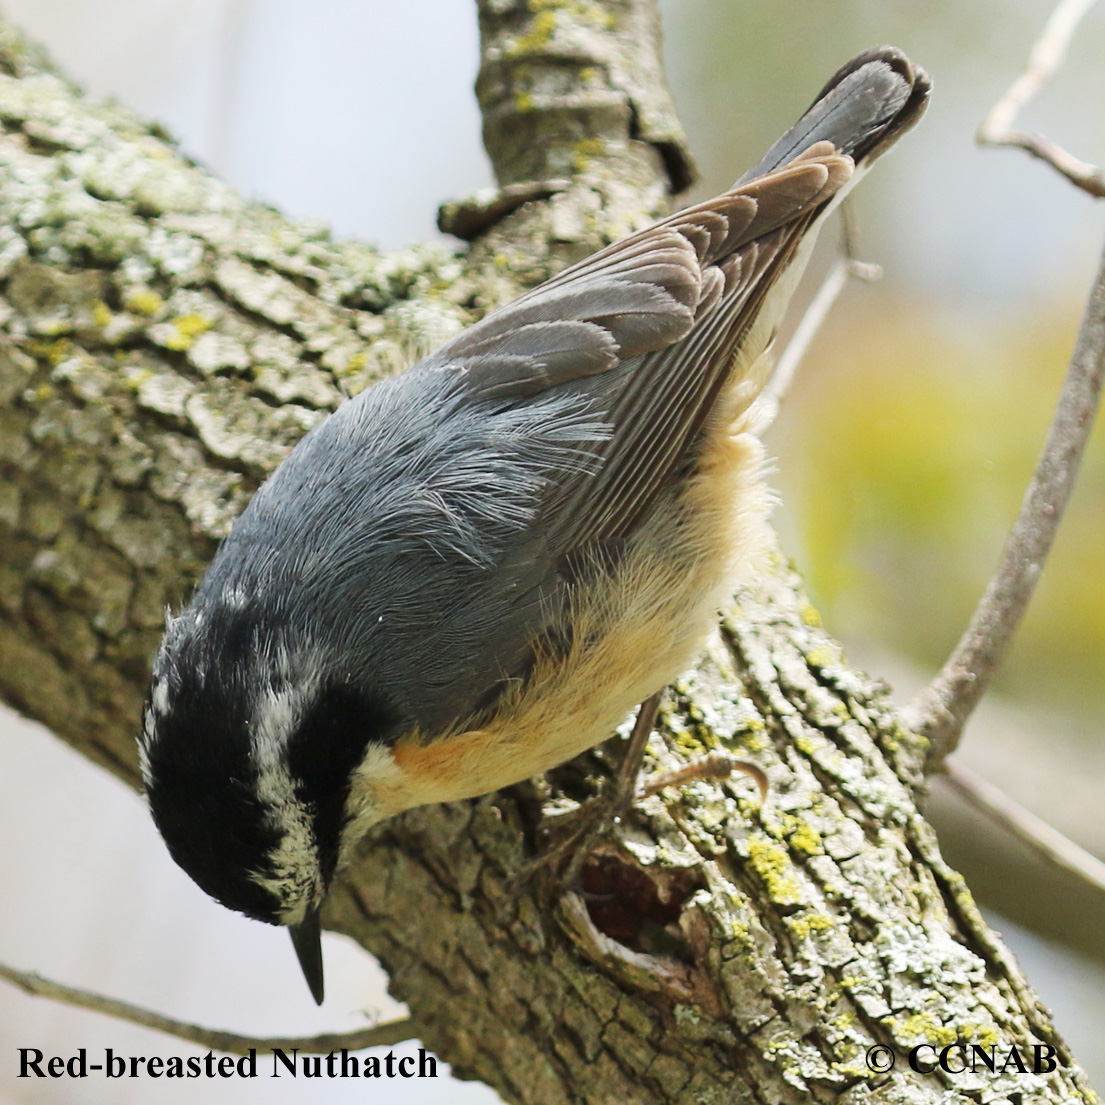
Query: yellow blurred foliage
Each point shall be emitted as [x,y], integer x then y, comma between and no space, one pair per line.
[904,451]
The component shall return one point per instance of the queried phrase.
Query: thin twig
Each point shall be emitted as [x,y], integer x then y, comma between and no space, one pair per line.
[380,1035]
[1026,826]
[771,398]
[1047,56]
[940,711]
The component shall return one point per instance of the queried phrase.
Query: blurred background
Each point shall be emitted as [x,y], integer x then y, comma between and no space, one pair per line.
[902,455]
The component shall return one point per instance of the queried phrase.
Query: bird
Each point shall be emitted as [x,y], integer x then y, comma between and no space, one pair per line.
[474,570]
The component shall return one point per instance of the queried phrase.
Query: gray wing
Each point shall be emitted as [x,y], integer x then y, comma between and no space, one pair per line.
[649,329]
[646,333]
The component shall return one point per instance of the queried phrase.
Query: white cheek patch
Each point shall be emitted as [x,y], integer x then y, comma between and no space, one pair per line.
[377,772]
[274,719]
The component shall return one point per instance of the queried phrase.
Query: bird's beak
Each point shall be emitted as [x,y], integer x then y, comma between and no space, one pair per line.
[307,940]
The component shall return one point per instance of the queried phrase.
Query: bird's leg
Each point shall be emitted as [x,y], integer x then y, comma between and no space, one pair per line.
[616,797]
[597,814]
[629,786]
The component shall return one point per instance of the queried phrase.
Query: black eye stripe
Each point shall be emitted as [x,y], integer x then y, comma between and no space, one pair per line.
[328,745]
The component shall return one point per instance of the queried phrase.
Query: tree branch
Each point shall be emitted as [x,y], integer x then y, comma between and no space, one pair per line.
[379,1035]
[844,268]
[941,710]
[571,89]
[1037,834]
[1048,55]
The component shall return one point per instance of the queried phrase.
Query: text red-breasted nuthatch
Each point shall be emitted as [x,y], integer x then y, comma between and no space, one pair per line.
[473,571]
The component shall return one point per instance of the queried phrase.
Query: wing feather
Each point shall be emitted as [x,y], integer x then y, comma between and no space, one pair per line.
[648,329]
[645,333]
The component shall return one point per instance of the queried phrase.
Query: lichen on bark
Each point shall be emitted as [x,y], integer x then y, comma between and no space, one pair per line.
[163,343]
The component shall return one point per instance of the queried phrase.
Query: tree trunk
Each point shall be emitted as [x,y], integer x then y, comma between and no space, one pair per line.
[164,344]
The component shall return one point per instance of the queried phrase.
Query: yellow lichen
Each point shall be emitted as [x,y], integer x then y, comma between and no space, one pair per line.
[544,26]
[772,863]
[136,378]
[584,150]
[806,838]
[808,744]
[989,1037]
[924,1027]
[101,313]
[188,328]
[944,1036]
[581,9]
[754,742]
[850,1070]
[53,351]
[905,736]
[809,923]
[144,302]
[751,735]
[688,743]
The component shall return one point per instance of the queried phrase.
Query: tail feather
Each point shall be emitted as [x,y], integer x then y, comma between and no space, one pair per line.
[863,109]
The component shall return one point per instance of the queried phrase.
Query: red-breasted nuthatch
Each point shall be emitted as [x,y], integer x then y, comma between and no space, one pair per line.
[472,572]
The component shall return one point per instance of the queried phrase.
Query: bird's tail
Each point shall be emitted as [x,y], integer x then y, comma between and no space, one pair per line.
[864,108]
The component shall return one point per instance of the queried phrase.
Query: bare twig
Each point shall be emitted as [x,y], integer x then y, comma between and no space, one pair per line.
[941,710]
[771,398]
[380,1035]
[1026,826]
[1047,56]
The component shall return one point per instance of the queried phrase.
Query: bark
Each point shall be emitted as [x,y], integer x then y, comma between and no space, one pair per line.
[163,344]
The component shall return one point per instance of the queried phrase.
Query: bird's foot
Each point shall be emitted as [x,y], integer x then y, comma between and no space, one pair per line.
[594,819]
[714,765]
[587,825]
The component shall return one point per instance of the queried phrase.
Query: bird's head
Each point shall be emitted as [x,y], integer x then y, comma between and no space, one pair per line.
[249,755]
